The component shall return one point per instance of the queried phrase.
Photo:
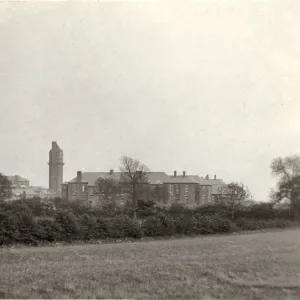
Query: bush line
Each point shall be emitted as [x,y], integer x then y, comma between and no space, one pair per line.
[35,222]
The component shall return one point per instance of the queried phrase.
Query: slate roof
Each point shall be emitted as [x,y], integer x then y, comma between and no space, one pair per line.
[200,180]
[155,178]
[181,179]
[91,177]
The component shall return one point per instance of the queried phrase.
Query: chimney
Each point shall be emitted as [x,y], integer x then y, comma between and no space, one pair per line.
[175,173]
[111,172]
[215,177]
[207,177]
[79,176]
[183,173]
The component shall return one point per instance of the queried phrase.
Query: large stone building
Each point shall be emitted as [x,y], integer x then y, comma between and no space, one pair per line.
[56,164]
[189,190]
[84,186]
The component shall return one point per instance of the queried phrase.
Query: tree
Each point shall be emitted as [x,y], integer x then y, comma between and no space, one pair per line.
[109,188]
[5,187]
[134,178]
[236,195]
[287,170]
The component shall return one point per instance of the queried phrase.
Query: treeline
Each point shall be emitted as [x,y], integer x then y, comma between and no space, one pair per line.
[35,222]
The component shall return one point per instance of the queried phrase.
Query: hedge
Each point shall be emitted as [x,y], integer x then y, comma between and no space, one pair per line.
[38,222]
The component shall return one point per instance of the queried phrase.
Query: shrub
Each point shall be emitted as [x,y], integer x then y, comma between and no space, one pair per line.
[69,225]
[152,227]
[145,208]
[252,224]
[161,225]
[50,230]
[208,224]
[88,226]
[102,228]
[212,209]
[9,229]
[122,227]
[184,225]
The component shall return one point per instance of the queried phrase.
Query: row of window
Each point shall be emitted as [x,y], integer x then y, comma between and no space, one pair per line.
[177,189]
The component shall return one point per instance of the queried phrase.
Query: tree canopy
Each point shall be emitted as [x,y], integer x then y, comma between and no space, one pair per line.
[287,172]
[5,187]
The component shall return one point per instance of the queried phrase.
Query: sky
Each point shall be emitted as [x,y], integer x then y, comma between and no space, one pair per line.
[209,87]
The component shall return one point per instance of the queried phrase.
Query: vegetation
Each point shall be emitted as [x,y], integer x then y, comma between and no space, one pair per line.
[35,222]
[287,170]
[256,266]
[5,187]
[235,195]
[134,177]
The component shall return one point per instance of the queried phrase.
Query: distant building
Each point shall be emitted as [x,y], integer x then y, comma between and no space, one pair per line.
[32,192]
[189,190]
[182,189]
[203,194]
[219,190]
[56,164]
[83,186]
[18,181]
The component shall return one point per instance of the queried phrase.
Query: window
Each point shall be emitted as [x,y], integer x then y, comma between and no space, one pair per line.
[186,197]
[171,189]
[186,190]
[82,188]
[177,189]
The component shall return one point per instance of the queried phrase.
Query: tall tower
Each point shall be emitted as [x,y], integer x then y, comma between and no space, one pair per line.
[56,164]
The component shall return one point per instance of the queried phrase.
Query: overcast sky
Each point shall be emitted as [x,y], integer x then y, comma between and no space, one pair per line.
[203,86]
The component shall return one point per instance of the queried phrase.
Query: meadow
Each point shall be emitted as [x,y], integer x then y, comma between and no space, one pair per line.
[246,266]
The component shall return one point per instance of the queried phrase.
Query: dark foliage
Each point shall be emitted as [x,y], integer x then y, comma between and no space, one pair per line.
[32,222]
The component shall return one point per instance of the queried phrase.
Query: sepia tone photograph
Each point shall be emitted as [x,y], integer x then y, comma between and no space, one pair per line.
[150,149]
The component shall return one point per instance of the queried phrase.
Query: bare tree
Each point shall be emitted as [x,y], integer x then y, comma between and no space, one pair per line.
[5,187]
[287,170]
[134,178]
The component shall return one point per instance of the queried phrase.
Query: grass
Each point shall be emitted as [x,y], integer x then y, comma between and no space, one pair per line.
[255,266]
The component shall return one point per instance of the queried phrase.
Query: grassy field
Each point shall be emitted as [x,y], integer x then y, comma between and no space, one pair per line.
[250,266]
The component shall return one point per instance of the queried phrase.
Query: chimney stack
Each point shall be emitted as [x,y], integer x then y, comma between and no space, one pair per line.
[79,176]
[175,173]
[183,173]
[215,177]
[111,172]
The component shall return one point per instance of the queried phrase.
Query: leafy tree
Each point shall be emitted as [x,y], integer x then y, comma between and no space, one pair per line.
[5,187]
[236,195]
[109,188]
[134,178]
[287,170]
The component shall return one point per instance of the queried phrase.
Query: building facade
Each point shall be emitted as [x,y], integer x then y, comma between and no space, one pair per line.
[84,188]
[188,190]
[18,182]
[56,164]
[182,189]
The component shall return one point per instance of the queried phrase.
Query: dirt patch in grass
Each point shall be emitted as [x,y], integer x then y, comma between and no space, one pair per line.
[255,266]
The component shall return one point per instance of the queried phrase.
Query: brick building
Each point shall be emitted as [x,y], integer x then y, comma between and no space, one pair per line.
[190,190]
